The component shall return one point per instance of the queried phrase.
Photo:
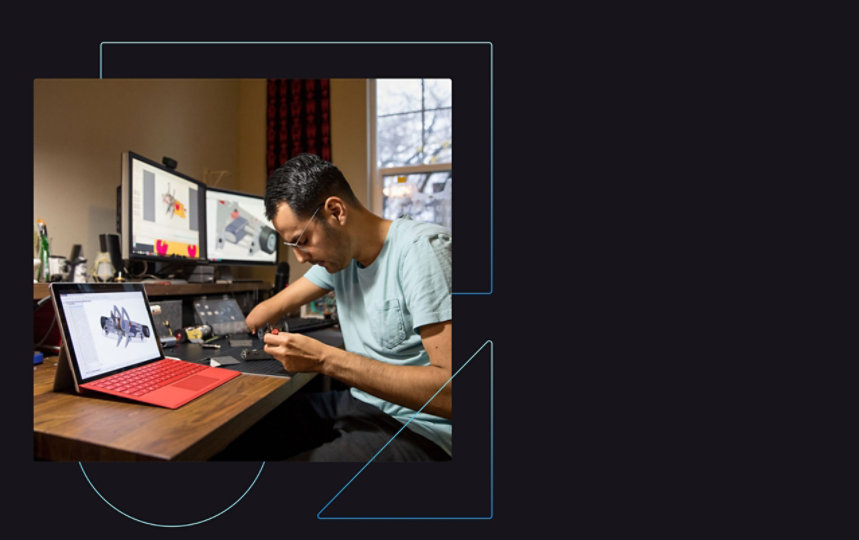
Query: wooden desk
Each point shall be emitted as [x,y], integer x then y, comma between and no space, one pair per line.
[71,427]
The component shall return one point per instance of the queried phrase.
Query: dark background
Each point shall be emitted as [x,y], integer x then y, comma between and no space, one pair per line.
[492,435]
[658,383]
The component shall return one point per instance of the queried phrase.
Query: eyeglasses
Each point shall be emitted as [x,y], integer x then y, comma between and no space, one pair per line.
[295,244]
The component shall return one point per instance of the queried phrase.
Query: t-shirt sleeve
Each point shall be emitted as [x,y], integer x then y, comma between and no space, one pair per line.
[320,277]
[426,278]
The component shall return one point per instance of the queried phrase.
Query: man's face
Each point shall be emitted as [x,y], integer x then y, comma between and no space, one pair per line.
[317,241]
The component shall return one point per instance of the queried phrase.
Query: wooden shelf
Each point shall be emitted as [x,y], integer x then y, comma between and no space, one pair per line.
[41,290]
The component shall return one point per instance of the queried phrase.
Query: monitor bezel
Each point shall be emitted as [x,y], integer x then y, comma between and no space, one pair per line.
[126,212]
[65,288]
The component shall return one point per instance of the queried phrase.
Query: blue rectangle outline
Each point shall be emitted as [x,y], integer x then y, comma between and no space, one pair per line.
[491,111]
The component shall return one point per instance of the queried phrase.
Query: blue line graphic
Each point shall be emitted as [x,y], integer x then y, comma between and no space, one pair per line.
[491,111]
[463,293]
[491,451]
[177,525]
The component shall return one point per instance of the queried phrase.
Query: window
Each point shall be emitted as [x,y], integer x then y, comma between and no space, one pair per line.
[412,142]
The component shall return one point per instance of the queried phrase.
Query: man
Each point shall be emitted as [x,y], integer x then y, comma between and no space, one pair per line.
[392,283]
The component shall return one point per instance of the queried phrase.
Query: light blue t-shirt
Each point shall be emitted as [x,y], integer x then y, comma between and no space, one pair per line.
[382,306]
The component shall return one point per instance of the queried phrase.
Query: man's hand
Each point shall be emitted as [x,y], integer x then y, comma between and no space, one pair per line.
[296,352]
[410,386]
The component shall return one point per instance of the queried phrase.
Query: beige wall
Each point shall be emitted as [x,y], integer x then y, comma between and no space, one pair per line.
[348,145]
[82,126]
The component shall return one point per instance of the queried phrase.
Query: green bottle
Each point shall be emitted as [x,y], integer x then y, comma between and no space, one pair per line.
[44,251]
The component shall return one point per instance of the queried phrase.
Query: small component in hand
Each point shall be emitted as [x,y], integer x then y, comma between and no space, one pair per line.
[263,331]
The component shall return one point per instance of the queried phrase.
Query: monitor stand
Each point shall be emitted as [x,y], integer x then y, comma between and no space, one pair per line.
[225,275]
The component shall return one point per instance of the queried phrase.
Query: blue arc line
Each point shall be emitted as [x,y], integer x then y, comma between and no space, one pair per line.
[491,110]
[177,525]
[491,450]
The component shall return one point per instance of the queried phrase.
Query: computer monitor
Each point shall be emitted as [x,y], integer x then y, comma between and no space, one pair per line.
[162,212]
[237,231]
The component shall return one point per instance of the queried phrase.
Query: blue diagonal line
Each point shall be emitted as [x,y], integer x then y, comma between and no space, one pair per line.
[491,455]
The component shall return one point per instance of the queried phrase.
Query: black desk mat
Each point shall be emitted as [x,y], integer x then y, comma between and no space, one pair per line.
[194,352]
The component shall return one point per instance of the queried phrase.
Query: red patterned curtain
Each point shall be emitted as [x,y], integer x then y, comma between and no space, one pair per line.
[298,120]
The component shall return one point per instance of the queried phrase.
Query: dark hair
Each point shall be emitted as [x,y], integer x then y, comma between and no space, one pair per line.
[304,182]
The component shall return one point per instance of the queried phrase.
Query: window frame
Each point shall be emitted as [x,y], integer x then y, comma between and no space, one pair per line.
[376,184]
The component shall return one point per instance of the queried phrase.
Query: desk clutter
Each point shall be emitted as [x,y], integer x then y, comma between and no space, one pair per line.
[168,319]
[223,315]
[175,317]
[102,430]
[198,327]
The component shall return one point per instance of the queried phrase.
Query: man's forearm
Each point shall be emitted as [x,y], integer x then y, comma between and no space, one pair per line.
[264,312]
[410,386]
[286,301]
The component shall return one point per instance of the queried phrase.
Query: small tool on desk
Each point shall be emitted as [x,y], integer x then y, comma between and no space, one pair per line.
[170,339]
[217,361]
[255,354]
[196,334]
[210,346]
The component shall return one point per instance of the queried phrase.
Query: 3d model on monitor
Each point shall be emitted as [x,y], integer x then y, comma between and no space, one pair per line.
[236,225]
[121,325]
[160,213]
[174,207]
